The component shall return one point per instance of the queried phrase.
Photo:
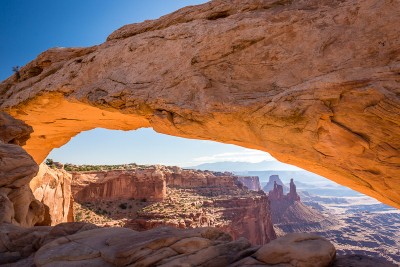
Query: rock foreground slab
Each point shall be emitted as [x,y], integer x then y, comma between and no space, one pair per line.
[315,83]
[80,244]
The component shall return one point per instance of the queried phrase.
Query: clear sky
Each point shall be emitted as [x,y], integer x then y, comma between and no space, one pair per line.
[28,28]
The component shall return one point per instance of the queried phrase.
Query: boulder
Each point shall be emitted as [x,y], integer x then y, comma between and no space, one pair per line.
[298,249]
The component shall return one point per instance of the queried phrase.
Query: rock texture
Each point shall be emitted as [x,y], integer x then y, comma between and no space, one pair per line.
[315,83]
[17,168]
[52,187]
[289,214]
[301,250]
[152,196]
[149,184]
[191,178]
[239,212]
[251,182]
[77,244]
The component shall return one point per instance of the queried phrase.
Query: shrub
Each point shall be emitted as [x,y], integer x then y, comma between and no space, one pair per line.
[123,206]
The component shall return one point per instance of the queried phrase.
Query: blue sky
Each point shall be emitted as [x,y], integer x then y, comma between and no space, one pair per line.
[28,28]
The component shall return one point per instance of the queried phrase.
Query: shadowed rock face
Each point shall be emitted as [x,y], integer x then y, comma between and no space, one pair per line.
[17,168]
[315,83]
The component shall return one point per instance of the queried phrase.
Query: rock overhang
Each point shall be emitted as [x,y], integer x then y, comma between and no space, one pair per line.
[316,84]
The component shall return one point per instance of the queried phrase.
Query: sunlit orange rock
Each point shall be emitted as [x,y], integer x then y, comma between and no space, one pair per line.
[315,83]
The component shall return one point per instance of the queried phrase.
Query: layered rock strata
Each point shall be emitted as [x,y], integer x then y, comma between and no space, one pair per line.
[315,83]
[289,214]
[189,199]
[271,184]
[149,184]
[251,182]
[239,212]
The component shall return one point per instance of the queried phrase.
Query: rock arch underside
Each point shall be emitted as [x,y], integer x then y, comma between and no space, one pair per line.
[314,83]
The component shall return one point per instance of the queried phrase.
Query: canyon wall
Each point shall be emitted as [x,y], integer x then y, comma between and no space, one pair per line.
[289,214]
[143,183]
[149,184]
[180,198]
[271,184]
[314,83]
[251,182]
[239,212]
[191,178]
[52,187]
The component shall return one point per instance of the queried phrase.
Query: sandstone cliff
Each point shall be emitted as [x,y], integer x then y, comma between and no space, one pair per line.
[52,187]
[290,215]
[239,212]
[271,184]
[251,182]
[147,184]
[315,83]
[181,198]
[191,178]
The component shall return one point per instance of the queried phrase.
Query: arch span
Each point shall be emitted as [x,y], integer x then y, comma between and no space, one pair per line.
[314,83]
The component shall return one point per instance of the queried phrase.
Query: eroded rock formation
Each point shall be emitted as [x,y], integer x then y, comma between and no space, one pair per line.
[289,214]
[271,184]
[251,182]
[17,168]
[78,244]
[52,187]
[179,198]
[236,211]
[315,83]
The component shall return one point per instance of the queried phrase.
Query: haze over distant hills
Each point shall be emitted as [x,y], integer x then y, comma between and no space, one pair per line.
[237,166]
[306,181]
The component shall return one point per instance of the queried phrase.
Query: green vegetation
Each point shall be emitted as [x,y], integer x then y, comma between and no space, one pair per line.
[15,69]
[51,163]
[78,216]
[85,168]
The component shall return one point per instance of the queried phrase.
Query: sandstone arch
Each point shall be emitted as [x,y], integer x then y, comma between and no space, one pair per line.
[315,83]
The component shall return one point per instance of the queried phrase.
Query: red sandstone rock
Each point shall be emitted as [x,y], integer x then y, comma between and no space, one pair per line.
[77,244]
[251,182]
[270,185]
[149,184]
[17,168]
[289,214]
[52,187]
[315,83]
[196,199]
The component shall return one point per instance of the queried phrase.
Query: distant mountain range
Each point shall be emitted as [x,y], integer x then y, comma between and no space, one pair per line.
[237,166]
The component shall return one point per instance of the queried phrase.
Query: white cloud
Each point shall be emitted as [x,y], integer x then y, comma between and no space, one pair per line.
[247,155]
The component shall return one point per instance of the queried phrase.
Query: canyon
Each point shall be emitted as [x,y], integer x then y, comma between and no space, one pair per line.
[171,196]
[314,83]
[289,214]
[355,225]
